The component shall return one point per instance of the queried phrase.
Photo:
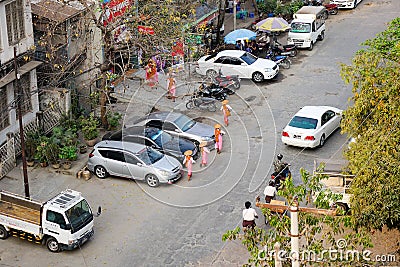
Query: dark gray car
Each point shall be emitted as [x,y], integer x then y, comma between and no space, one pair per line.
[155,138]
[180,125]
[134,161]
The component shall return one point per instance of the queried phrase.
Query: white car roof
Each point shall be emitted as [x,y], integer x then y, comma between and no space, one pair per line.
[315,112]
[233,53]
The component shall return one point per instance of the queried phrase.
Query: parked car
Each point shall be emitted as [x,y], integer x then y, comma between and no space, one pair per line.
[346,3]
[311,125]
[133,161]
[180,125]
[155,138]
[237,62]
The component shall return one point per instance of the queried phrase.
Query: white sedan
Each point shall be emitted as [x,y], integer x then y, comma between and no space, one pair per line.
[237,62]
[311,125]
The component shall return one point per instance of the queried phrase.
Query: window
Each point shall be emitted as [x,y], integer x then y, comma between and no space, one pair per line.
[303,123]
[56,217]
[15,21]
[130,159]
[327,116]
[4,114]
[25,85]
[115,155]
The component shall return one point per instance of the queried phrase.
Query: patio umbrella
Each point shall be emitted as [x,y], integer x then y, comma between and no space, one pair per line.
[239,34]
[273,24]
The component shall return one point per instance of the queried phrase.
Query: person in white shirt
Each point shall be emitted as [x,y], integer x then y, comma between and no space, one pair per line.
[270,192]
[249,216]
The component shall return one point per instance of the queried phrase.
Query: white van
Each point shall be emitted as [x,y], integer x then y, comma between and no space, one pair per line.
[307,27]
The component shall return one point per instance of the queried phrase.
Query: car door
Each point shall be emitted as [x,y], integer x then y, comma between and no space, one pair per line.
[55,225]
[171,128]
[326,123]
[218,64]
[133,167]
[115,162]
[333,121]
[239,67]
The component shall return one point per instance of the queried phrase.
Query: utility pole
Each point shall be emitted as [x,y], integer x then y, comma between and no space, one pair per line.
[21,129]
[234,14]
[294,223]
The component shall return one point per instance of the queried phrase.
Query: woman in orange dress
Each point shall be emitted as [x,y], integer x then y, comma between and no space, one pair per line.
[218,137]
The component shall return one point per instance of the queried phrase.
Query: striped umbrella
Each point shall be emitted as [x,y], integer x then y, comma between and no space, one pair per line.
[273,24]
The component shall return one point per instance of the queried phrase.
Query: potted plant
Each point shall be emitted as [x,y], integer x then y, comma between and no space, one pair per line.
[114,120]
[53,155]
[67,154]
[82,148]
[89,129]
[31,144]
[42,151]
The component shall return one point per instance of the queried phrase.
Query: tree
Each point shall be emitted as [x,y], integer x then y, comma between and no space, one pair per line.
[318,232]
[373,119]
[118,23]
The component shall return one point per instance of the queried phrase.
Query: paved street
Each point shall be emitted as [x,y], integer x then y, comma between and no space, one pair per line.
[182,224]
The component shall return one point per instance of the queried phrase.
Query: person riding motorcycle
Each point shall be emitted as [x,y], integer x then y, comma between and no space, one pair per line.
[280,167]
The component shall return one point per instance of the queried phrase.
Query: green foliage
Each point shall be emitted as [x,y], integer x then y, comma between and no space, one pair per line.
[43,148]
[114,120]
[286,10]
[68,153]
[89,127]
[373,119]
[318,232]
[31,143]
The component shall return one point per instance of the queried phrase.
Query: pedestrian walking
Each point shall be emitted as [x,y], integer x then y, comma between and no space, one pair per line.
[218,138]
[204,154]
[226,110]
[270,192]
[249,216]
[188,162]
[172,86]
[151,73]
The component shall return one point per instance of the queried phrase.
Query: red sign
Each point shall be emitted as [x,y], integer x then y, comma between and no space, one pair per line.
[113,9]
[177,49]
[146,29]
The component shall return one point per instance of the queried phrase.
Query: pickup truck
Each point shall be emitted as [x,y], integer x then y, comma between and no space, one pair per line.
[337,181]
[63,222]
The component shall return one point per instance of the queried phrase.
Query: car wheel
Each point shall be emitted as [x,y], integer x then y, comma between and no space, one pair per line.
[211,74]
[257,77]
[285,64]
[52,244]
[311,46]
[152,180]
[100,172]
[212,107]
[3,233]
[322,141]
[322,36]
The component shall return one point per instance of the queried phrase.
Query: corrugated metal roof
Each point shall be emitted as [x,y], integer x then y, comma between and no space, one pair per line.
[22,70]
[54,11]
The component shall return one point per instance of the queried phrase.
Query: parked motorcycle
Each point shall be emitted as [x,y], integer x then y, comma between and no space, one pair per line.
[211,91]
[282,61]
[333,9]
[227,89]
[205,103]
[284,50]
[230,81]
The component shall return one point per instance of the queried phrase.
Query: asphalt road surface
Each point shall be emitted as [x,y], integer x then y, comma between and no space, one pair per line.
[182,224]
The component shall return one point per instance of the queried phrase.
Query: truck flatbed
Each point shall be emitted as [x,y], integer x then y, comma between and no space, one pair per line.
[19,208]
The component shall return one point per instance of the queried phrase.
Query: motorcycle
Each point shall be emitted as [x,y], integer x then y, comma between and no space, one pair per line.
[205,103]
[333,9]
[212,91]
[230,81]
[281,176]
[284,50]
[283,61]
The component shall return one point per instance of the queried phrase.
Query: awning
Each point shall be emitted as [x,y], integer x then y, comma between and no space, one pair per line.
[10,77]
[54,11]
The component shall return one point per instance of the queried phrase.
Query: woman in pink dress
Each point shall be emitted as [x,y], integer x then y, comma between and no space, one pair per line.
[188,162]
[226,110]
[172,86]
[204,151]
[218,137]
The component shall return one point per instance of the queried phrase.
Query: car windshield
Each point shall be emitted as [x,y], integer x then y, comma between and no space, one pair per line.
[79,215]
[303,122]
[149,156]
[184,123]
[161,137]
[300,27]
[249,58]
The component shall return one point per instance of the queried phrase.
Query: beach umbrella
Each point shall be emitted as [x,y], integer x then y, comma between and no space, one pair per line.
[239,34]
[273,24]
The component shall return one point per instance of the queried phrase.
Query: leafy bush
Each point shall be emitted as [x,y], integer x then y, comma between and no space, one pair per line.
[89,127]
